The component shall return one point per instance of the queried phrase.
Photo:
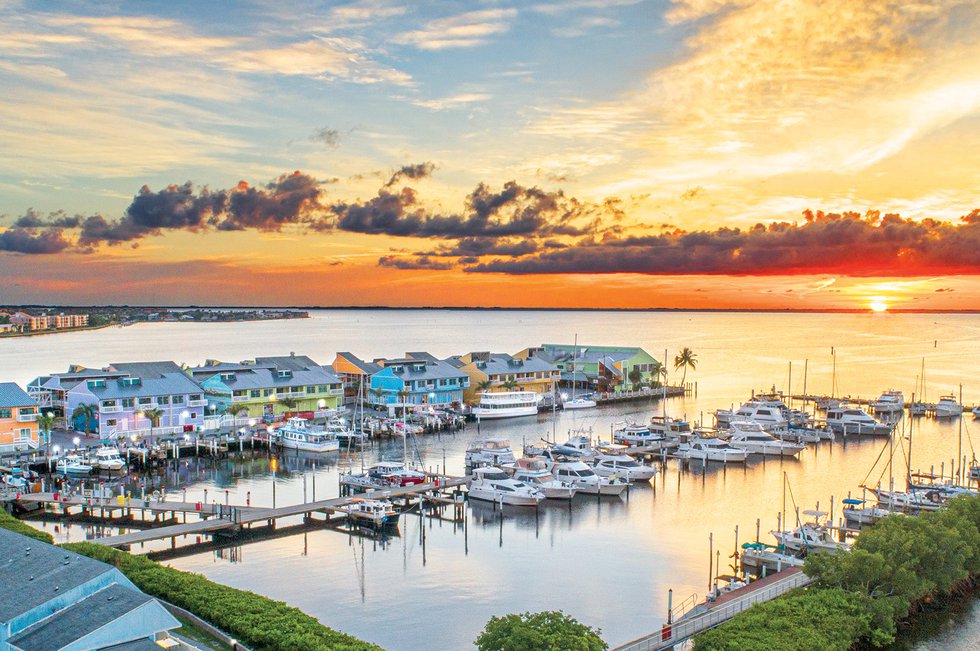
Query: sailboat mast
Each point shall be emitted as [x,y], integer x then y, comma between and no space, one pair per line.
[959,450]
[806,364]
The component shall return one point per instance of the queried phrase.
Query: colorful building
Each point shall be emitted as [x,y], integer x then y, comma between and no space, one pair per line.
[122,399]
[502,372]
[605,369]
[18,419]
[354,373]
[425,379]
[267,387]
[51,391]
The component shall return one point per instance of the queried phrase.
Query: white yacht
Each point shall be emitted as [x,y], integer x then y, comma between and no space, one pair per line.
[670,428]
[375,513]
[711,448]
[634,435]
[760,559]
[854,420]
[584,401]
[108,458]
[809,536]
[586,481]
[623,466]
[856,514]
[976,412]
[763,412]
[890,402]
[578,446]
[506,404]
[947,407]
[74,464]
[494,485]
[754,439]
[384,474]
[489,451]
[299,434]
[536,473]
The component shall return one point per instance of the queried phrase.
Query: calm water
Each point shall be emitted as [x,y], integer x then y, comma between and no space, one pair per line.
[609,562]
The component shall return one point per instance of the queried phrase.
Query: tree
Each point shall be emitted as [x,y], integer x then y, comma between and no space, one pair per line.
[288,403]
[686,359]
[403,395]
[636,377]
[45,423]
[509,385]
[89,412]
[545,631]
[378,394]
[484,386]
[235,410]
[153,415]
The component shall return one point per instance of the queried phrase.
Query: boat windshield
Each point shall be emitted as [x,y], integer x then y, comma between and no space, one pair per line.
[495,476]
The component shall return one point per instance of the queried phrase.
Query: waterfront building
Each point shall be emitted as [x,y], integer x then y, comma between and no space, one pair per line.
[51,391]
[18,419]
[598,368]
[425,379]
[26,321]
[129,390]
[267,387]
[353,373]
[504,372]
[70,320]
[56,599]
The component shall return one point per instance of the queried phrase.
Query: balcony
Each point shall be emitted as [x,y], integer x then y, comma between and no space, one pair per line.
[106,409]
[241,398]
[26,418]
[197,403]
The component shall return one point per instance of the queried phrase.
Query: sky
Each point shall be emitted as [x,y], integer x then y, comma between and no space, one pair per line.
[768,154]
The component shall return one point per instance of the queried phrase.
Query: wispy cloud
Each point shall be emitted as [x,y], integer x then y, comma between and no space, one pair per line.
[465,30]
[453,101]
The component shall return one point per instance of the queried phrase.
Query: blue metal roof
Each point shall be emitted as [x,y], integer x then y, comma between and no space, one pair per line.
[11,395]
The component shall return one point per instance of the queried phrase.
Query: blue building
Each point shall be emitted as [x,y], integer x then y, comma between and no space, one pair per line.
[428,381]
[52,600]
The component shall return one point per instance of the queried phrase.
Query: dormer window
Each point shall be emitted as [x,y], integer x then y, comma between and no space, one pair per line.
[130,381]
[227,376]
[96,384]
[285,373]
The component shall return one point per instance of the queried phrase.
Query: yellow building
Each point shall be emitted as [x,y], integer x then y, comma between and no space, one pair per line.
[502,372]
[18,419]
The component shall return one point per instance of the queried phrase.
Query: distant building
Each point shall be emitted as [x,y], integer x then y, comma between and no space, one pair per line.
[29,322]
[26,321]
[270,386]
[53,599]
[71,321]
[428,381]
[18,419]
[504,372]
[599,368]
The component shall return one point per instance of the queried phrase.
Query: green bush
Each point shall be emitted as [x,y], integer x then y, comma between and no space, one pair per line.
[256,621]
[11,523]
[546,631]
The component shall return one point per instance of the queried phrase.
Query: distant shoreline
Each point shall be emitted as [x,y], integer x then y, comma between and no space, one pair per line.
[479,308]
[55,331]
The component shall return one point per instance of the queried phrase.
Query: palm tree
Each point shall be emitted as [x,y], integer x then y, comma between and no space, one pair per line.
[153,415]
[687,358]
[379,394]
[45,423]
[484,386]
[403,395]
[288,403]
[636,376]
[88,411]
[234,410]
[509,385]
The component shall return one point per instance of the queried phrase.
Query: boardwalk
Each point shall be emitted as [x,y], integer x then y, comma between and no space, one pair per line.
[724,609]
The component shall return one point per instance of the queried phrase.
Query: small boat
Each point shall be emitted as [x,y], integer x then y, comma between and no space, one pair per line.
[809,536]
[374,513]
[577,446]
[890,402]
[506,404]
[584,401]
[108,458]
[724,584]
[610,464]
[976,412]
[491,450]
[826,402]
[494,485]
[587,481]
[12,480]
[909,501]
[536,473]
[74,464]
[919,408]
[299,434]
[760,559]
[711,448]
[855,513]
[396,474]
[947,407]
[854,420]
[752,438]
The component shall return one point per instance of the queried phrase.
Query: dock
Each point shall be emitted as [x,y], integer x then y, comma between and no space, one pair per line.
[720,611]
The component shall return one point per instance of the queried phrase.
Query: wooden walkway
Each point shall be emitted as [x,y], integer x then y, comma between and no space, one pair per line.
[234,519]
[719,612]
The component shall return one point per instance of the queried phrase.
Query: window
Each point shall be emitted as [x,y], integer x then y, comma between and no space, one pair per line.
[27,410]
[129,402]
[178,400]
[239,393]
[267,392]
[107,403]
[110,423]
[281,390]
[196,396]
[163,400]
[323,388]
[145,401]
[24,434]
[255,393]
[5,413]
[311,389]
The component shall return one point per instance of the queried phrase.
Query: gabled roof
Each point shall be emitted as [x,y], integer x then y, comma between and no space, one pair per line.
[434,369]
[264,373]
[155,379]
[368,368]
[11,395]
[503,364]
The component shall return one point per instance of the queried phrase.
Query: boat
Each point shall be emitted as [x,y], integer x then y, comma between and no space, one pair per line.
[634,435]
[584,401]
[506,404]
[108,458]
[760,559]
[947,407]
[345,434]
[754,439]
[397,474]
[586,480]
[610,464]
[909,501]
[492,451]
[809,536]
[890,402]
[976,412]
[494,485]
[298,434]
[669,428]
[854,420]
[371,512]
[710,448]
[536,473]
[919,408]
[855,513]
[577,446]
[74,464]
[763,412]
[12,480]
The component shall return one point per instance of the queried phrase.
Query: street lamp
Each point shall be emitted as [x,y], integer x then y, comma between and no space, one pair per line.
[76,441]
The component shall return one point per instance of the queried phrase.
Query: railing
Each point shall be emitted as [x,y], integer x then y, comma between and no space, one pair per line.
[114,409]
[26,418]
[197,403]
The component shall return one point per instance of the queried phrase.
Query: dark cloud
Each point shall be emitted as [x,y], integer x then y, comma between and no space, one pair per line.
[421,262]
[329,137]
[24,240]
[284,201]
[414,172]
[846,243]
[482,246]
[59,219]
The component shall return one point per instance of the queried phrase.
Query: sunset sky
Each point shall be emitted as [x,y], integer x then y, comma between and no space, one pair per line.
[595,153]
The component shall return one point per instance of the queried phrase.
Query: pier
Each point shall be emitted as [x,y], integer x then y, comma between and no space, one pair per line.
[720,611]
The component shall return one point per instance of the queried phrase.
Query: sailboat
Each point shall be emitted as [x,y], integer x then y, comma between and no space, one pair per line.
[919,407]
[584,401]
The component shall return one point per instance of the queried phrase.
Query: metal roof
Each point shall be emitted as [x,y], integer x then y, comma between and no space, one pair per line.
[503,364]
[11,395]
[265,373]
[369,368]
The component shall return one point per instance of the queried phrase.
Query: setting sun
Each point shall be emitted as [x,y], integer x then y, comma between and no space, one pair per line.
[878,304]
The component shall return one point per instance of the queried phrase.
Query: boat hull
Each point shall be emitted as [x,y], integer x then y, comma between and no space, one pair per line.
[305,446]
[501,497]
[510,412]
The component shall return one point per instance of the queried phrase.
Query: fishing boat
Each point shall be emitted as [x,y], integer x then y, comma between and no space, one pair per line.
[587,481]
[577,445]
[890,402]
[760,559]
[506,404]
[494,485]
[108,458]
[610,464]
[711,448]
[854,420]
[74,464]
[754,439]
[492,450]
[299,434]
[536,473]
[947,407]
[371,512]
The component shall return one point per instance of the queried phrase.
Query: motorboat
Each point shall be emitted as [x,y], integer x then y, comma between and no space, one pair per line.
[919,408]
[583,401]
[760,559]
[710,448]
[494,485]
[809,536]
[537,473]
[723,584]
[669,428]
[108,458]
[492,450]
[298,434]
[577,445]
[854,420]
[754,439]
[371,512]
[947,407]
[765,413]
[506,404]
[859,515]
[346,434]
[586,480]
[12,480]
[624,466]
[909,501]
[634,435]
[890,402]
[74,464]
[976,412]
[826,402]
[384,474]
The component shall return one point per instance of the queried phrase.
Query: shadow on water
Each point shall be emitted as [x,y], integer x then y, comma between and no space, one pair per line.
[953,626]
